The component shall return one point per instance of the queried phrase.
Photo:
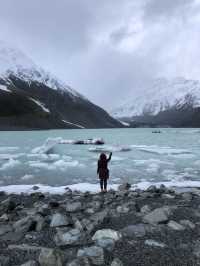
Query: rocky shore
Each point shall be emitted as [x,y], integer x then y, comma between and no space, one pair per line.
[159,226]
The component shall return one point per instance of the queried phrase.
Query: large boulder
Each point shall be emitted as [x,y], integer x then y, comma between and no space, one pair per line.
[116,262]
[50,257]
[159,215]
[125,186]
[175,226]
[30,263]
[5,228]
[24,224]
[107,233]
[94,253]
[74,207]
[59,219]
[136,230]
[71,237]
[8,205]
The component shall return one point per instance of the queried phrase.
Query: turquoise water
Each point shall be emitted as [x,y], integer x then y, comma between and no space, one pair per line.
[172,155]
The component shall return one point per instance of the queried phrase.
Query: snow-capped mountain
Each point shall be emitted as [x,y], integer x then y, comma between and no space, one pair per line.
[31,97]
[14,62]
[161,95]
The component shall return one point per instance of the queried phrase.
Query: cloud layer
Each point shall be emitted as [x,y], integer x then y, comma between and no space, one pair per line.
[107,49]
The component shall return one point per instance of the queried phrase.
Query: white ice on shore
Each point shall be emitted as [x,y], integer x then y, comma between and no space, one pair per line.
[94,188]
[116,148]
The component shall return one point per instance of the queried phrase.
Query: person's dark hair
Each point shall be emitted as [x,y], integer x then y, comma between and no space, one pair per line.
[103,157]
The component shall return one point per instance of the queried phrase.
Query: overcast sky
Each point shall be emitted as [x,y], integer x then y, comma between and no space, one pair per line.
[106,49]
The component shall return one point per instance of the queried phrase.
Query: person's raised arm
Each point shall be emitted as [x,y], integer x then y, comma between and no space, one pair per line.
[109,158]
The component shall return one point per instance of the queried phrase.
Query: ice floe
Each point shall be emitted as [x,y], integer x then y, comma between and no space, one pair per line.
[11,163]
[48,146]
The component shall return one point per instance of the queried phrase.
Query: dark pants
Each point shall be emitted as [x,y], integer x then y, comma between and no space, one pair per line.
[103,183]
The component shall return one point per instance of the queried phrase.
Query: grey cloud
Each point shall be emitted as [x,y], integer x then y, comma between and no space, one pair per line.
[96,47]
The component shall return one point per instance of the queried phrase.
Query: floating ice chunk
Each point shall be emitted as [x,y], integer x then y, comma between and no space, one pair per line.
[8,149]
[10,164]
[4,157]
[47,147]
[161,150]
[97,141]
[27,177]
[110,149]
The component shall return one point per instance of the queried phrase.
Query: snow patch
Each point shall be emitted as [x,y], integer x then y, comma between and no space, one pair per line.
[40,105]
[73,124]
[4,88]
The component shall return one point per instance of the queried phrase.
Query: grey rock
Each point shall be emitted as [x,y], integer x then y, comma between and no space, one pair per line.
[116,262]
[107,233]
[4,261]
[8,205]
[79,262]
[23,224]
[152,189]
[84,225]
[25,247]
[153,243]
[50,257]
[123,209]
[72,237]
[137,230]
[35,188]
[5,228]
[187,224]
[125,186]
[4,218]
[59,219]
[145,209]
[187,196]
[168,196]
[30,263]
[96,254]
[106,243]
[13,236]
[175,226]
[74,207]
[159,215]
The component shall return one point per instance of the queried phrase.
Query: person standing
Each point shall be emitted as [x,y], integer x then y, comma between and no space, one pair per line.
[103,171]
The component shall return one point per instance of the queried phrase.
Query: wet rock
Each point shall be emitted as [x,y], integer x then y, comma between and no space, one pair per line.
[116,262]
[13,236]
[94,253]
[71,237]
[59,219]
[54,204]
[74,207]
[50,257]
[159,215]
[152,189]
[153,243]
[30,263]
[107,233]
[175,226]
[125,186]
[84,225]
[187,224]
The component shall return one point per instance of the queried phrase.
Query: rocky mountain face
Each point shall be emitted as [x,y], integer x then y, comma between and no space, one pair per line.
[165,102]
[31,98]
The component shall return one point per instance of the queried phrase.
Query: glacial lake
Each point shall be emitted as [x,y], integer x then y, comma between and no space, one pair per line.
[138,156]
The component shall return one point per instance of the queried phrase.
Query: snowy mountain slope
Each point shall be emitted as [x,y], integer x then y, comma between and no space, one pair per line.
[13,61]
[32,98]
[160,96]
